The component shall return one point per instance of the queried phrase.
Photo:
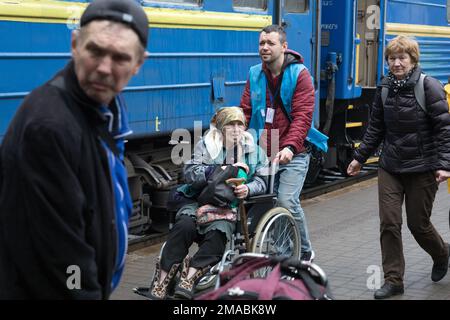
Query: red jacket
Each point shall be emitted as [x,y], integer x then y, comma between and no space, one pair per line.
[293,133]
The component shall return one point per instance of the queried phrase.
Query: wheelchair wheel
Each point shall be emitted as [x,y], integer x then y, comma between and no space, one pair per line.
[277,234]
[208,280]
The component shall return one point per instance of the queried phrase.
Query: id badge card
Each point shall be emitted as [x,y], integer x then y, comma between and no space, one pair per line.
[269,115]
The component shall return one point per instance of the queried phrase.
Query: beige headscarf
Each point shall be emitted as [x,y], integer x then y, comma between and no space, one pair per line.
[226,115]
[214,138]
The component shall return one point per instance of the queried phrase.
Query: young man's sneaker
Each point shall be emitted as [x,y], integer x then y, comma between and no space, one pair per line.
[308,256]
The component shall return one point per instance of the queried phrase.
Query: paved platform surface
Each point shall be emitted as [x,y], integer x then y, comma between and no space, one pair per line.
[344,229]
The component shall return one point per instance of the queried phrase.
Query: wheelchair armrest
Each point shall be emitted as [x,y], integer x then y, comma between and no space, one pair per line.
[261,198]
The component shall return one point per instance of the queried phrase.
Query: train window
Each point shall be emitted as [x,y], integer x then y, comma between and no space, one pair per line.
[296,6]
[250,4]
[448,11]
[190,2]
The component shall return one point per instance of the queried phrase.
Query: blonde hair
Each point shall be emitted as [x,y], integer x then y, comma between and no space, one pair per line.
[402,44]
[226,115]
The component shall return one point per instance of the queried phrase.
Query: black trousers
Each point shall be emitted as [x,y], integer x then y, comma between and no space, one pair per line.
[417,191]
[182,236]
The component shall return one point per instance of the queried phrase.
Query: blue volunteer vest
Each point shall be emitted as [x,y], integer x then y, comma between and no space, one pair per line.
[258,85]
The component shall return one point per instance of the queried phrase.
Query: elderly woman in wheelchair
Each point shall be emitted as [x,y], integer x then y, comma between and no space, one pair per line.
[227,151]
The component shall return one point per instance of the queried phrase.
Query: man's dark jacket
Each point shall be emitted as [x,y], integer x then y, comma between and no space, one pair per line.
[413,140]
[56,202]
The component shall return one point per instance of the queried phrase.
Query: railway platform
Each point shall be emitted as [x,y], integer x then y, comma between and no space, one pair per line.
[344,230]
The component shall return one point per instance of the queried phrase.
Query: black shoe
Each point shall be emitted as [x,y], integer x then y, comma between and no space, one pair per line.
[440,269]
[388,290]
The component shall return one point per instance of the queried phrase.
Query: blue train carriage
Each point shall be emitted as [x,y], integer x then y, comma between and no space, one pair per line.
[200,54]
[354,35]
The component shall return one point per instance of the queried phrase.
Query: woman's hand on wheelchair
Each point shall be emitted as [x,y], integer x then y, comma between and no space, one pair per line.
[241,191]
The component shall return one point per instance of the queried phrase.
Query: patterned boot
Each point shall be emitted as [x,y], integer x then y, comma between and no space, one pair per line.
[185,287]
[158,291]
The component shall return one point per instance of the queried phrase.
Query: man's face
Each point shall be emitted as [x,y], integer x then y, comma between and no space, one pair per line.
[270,47]
[106,56]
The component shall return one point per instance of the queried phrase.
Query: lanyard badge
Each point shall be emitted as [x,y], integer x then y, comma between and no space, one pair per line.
[269,115]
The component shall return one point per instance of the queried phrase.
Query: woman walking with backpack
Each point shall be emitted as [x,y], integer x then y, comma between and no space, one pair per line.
[415,158]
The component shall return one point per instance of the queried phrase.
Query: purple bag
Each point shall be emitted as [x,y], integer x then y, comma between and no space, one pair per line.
[288,280]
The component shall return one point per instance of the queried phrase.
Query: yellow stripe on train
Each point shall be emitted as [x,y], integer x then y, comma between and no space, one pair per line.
[51,11]
[417,30]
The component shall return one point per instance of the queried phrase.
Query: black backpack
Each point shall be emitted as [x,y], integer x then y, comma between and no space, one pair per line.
[217,192]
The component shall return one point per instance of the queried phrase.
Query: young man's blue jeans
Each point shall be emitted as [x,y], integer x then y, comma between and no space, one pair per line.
[288,185]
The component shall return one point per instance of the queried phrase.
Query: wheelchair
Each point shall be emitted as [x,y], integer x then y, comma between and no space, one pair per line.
[272,231]
[260,229]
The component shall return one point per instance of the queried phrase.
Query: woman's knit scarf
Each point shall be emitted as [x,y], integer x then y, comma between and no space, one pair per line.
[397,84]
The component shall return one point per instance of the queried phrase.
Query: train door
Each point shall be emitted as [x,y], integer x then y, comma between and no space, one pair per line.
[340,47]
[301,21]
[349,45]
[368,31]
[299,17]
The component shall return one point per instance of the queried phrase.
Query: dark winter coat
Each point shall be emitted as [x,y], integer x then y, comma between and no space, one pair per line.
[413,140]
[56,201]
